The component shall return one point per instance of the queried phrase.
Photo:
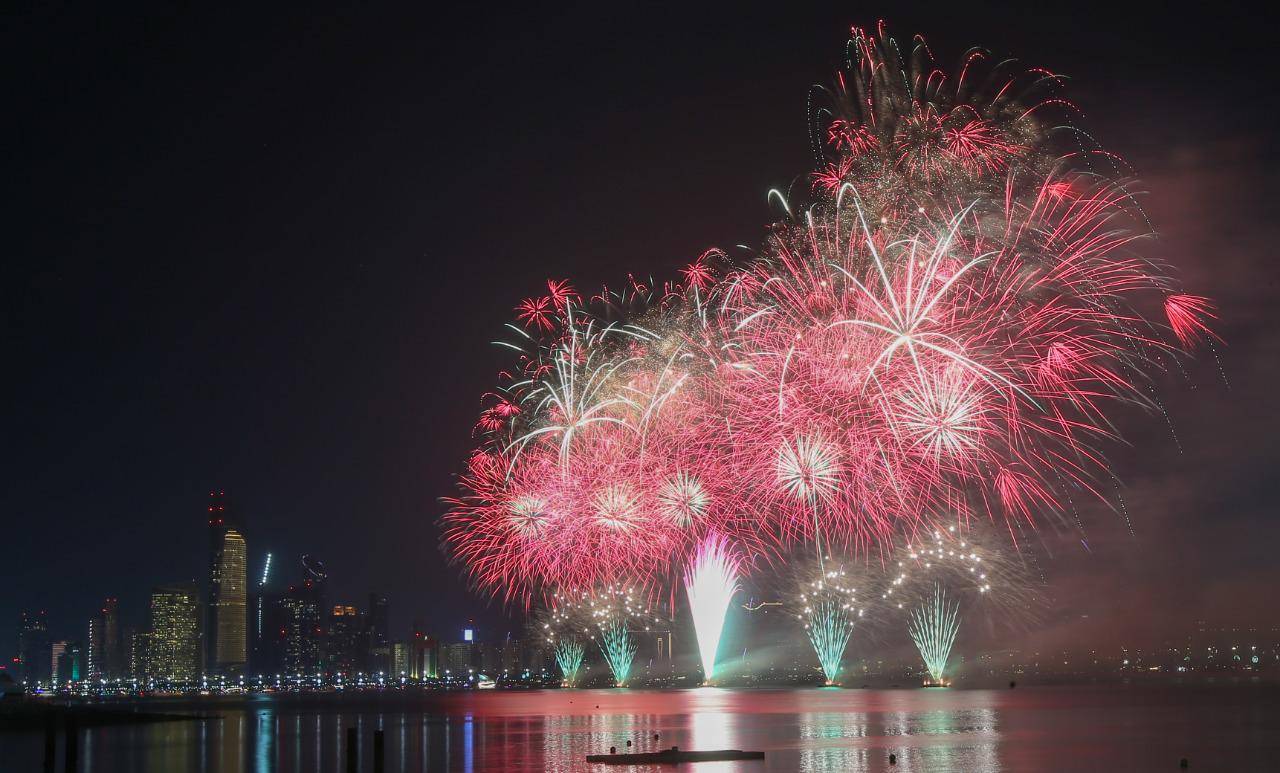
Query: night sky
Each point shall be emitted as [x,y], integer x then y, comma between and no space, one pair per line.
[266,253]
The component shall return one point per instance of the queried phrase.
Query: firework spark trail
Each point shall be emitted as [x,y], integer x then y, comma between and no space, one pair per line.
[619,649]
[933,628]
[829,628]
[711,582]
[569,654]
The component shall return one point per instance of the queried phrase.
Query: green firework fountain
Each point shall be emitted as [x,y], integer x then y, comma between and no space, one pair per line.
[829,628]
[933,628]
[569,654]
[619,649]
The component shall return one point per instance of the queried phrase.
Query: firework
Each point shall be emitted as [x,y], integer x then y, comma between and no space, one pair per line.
[569,653]
[830,593]
[619,649]
[608,616]
[939,331]
[933,628]
[829,627]
[711,582]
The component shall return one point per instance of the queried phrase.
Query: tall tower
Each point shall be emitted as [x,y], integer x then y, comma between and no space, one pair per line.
[232,606]
[226,616]
[113,665]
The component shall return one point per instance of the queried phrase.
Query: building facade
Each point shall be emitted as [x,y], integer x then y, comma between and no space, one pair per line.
[226,611]
[34,648]
[173,644]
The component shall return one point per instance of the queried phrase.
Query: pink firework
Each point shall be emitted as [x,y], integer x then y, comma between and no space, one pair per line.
[941,332]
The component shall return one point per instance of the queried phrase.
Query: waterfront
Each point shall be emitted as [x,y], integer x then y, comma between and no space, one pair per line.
[1217,727]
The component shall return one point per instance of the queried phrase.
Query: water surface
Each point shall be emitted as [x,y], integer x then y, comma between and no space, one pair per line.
[1033,729]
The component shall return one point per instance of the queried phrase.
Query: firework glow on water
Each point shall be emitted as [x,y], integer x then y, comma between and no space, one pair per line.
[937,330]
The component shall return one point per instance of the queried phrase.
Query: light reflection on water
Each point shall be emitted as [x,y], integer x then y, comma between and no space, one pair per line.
[807,730]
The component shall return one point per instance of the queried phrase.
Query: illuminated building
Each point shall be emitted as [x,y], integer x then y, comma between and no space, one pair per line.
[400,657]
[70,663]
[133,657]
[424,656]
[267,624]
[511,656]
[231,611]
[347,640]
[93,653]
[104,658]
[58,648]
[173,646]
[303,624]
[226,624]
[459,658]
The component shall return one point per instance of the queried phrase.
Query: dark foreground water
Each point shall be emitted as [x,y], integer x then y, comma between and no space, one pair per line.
[1117,728]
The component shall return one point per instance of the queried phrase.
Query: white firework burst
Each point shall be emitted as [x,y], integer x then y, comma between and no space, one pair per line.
[944,414]
[808,468]
[616,508]
[527,515]
[683,499]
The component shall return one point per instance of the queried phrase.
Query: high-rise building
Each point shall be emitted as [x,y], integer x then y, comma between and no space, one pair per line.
[55,661]
[71,663]
[173,646]
[511,656]
[231,612]
[131,665]
[139,643]
[459,658]
[266,623]
[379,620]
[347,640]
[34,653]
[113,660]
[424,656]
[303,625]
[226,616]
[401,654]
[93,652]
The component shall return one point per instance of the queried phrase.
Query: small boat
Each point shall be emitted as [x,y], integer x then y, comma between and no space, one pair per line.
[673,756]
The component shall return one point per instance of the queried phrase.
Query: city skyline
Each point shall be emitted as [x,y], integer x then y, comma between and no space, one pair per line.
[289,363]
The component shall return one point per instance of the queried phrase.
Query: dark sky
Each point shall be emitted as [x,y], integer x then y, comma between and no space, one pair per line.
[265,252]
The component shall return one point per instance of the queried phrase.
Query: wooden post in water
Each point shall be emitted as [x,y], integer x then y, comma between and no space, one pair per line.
[353,751]
[379,755]
[50,744]
[69,757]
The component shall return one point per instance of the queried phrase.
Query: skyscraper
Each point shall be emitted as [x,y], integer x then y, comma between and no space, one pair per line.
[226,622]
[55,662]
[113,661]
[232,606]
[173,646]
[379,620]
[93,652]
[266,623]
[70,662]
[347,641]
[34,654]
[303,608]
